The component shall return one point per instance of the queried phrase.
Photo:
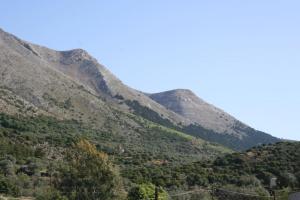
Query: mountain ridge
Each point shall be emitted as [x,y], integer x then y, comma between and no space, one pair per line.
[73,85]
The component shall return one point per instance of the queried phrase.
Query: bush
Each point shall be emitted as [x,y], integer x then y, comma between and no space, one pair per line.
[8,188]
[7,168]
[146,191]
[89,175]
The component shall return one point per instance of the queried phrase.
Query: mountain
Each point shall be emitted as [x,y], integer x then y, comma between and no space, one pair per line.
[66,69]
[73,85]
[210,122]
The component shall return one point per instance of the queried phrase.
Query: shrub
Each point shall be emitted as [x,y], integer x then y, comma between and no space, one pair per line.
[8,188]
[146,191]
[89,175]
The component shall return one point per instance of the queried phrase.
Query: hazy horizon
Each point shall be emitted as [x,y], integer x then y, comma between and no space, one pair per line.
[241,57]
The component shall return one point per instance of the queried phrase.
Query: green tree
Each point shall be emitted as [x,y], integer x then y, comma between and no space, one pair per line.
[7,167]
[7,187]
[89,175]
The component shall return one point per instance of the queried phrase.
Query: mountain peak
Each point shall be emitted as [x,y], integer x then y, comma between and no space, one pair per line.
[177,96]
[180,92]
[187,104]
[76,55]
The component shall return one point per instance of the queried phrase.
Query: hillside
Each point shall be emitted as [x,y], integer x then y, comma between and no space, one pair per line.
[281,160]
[61,108]
[247,172]
[211,123]
[188,105]
[162,156]
[42,142]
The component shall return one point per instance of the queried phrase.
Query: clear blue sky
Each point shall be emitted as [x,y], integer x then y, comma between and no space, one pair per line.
[242,56]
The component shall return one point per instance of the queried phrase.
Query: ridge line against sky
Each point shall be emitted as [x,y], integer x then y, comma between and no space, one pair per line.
[240,56]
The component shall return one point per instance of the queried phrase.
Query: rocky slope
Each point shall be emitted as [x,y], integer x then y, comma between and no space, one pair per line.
[218,126]
[187,104]
[25,66]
